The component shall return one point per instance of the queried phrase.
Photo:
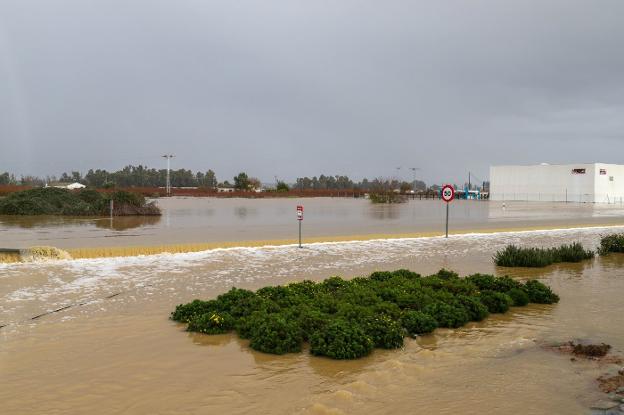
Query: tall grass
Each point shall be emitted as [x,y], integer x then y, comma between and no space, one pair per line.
[611,243]
[514,256]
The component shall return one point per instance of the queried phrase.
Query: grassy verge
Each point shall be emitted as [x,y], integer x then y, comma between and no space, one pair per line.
[347,319]
[514,256]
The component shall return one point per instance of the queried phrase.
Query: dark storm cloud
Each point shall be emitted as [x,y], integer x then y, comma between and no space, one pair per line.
[293,88]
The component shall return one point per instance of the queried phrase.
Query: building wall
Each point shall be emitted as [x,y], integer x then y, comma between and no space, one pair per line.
[609,187]
[546,183]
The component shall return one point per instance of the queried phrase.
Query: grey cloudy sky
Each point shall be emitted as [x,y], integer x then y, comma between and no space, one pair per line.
[291,87]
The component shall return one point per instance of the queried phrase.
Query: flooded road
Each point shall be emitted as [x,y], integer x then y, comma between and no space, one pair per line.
[219,221]
[114,351]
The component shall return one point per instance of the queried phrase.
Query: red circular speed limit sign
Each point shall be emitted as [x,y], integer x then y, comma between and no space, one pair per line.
[448,193]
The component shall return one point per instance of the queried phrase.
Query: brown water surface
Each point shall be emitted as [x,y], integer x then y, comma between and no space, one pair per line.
[114,351]
[216,220]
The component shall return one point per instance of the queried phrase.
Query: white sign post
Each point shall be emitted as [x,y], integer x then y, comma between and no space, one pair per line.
[300,219]
[448,194]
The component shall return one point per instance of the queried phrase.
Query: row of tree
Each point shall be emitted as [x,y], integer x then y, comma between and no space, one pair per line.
[141,176]
[343,182]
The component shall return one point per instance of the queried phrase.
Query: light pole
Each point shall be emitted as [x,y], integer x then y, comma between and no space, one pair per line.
[168,188]
[413,169]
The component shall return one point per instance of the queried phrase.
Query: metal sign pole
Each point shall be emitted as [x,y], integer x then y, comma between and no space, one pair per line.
[299,219]
[447,195]
[447,216]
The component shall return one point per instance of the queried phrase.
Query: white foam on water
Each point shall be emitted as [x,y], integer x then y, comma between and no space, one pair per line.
[54,284]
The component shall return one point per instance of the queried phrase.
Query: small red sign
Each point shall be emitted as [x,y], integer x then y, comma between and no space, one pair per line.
[448,193]
[299,212]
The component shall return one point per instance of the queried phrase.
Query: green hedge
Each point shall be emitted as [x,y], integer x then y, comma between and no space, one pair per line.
[347,319]
[514,256]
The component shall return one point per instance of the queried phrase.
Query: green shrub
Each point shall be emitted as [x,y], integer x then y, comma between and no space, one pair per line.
[611,243]
[447,315]
[211,323]
[519,297]
[496,302]
[334,285]
[475,309]
[446,274]
[184,312]
[413,300]
[231,297]
[86,202]
[416,322]
[347,319]
[539,293]
[513,256]
[304,288]
[246,305]
[353,312]
[504,284]
[277,335]
[385,308]
[282,296]
[381,275]
[385,332]
[405,273]
[483,281]
[245,325]
[341,340]
[310,321]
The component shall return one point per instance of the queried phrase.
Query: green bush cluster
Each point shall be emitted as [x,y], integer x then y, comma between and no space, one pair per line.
[85,202]
[514,256]
[611,243]
[347,319]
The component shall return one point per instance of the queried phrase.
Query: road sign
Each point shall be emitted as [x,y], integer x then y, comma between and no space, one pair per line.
[299,218]
[448,193]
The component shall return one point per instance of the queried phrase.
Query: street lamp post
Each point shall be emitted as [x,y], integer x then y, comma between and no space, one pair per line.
[168,186]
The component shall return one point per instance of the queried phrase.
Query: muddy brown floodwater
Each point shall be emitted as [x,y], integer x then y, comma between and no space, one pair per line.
[215,220]
[114,351]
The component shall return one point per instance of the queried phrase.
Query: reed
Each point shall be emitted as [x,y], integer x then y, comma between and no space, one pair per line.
[514,256]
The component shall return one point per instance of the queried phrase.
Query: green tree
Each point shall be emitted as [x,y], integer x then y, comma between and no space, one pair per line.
[282,187]
[241,182]
[210,179]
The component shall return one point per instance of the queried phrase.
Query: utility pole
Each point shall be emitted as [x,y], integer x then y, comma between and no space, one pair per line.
[168,187]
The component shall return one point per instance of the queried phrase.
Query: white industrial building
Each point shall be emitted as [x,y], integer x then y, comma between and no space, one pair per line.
[584,183]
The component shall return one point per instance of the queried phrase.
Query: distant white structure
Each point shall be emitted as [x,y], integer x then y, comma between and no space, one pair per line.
[583,183]
[72,186]
[75,186]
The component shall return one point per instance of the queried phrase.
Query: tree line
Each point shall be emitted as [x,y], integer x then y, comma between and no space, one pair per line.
[142,176]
